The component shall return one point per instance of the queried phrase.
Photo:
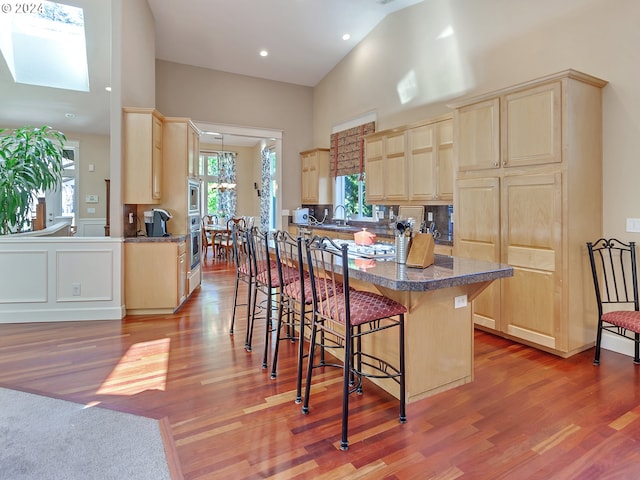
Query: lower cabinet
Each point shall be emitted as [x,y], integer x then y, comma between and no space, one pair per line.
[155,277]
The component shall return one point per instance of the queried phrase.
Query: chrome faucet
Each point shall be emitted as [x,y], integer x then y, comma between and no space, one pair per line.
[346,218]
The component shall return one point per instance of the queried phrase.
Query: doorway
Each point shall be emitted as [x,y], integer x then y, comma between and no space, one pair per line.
[260,139]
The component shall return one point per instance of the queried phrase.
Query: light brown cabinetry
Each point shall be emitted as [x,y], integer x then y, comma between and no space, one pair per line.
[386,167]
[142,163]
[529,193]
[181,142]
[193,151]
[430,161]
[316,181]
[154,277]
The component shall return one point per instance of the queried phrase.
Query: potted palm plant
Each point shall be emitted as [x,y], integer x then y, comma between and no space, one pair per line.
[31,162]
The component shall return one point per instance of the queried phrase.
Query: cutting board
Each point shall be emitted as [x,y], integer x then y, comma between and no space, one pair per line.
[421,251]
[416,212]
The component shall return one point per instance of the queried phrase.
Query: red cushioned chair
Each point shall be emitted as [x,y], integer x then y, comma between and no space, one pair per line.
[613,266]
[343,319]
[269,283]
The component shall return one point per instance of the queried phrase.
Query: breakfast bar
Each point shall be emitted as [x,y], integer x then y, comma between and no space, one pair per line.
[438,324]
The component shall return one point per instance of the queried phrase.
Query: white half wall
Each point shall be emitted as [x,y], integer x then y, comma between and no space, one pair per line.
[60,279]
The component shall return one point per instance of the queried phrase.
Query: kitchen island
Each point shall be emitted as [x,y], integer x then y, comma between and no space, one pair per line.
[438,324]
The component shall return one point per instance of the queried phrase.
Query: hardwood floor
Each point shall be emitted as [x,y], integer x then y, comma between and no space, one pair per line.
[527,415]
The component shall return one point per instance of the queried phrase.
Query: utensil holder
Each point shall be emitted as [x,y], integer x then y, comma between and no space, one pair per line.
[402,243]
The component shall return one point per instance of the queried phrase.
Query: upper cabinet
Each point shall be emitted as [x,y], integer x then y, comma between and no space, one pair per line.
[181,151]
[316,181]
[430,161]
[386,166]
[193,151]
[142,163]
[411,164]
[478,135]
[529,122]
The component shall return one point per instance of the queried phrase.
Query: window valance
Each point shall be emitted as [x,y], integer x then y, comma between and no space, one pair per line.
[346,152]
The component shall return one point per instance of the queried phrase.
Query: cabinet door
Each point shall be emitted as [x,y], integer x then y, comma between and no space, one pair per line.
[156,162]
[142,160]
[422,162]
[395,167]
[477,235]
[193,152]
[150,276]
[182,277]
[374,172]
[309,178]
[532,238]
[531,126]
[444,165]
[477,139]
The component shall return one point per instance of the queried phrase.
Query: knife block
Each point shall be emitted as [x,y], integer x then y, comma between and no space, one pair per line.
[421,251]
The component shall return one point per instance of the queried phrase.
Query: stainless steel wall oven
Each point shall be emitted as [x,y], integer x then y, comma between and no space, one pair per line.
[195,242]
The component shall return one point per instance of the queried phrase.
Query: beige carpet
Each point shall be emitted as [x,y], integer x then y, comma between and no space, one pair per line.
[45,438]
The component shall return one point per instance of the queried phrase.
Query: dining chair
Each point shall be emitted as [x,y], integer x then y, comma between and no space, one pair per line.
[222,239]
[206,241]
[344,316]
[615,278]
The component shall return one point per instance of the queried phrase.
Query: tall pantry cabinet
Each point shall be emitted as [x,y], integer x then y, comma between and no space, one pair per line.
[529,193]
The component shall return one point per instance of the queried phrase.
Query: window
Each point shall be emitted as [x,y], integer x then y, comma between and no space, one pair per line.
[350,192]
[219,175]
[43,44]
[62,201]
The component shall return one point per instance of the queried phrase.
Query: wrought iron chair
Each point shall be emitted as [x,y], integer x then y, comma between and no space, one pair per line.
[615,278]
[343,319]
[244,272]
[268,283]
[295,300]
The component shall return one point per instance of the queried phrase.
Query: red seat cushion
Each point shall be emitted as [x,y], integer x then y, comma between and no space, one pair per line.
[324,289]
[629,319]
[245,269]
[365,307]
[275,277]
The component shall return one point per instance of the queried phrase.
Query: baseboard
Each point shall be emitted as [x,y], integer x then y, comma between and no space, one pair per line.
[61,315]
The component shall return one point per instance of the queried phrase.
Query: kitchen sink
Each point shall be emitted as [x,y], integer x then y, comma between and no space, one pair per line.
[335,226]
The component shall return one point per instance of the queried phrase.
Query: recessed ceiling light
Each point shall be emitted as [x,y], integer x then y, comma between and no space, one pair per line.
[108,89]
[346,36]
[70,115]
[263,53]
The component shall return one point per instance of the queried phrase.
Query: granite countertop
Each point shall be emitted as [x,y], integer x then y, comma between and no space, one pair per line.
[171,238]
[444,273]
[381,230]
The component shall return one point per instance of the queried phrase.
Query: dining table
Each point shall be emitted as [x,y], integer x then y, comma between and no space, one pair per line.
[220,239]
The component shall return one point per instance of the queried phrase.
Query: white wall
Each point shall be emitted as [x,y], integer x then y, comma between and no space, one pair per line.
[46,270]
[210,96]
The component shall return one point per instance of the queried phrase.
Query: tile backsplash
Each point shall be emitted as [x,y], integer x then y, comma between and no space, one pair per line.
[442,215]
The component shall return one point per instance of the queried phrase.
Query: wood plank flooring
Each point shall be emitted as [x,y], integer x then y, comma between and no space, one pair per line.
[527,415]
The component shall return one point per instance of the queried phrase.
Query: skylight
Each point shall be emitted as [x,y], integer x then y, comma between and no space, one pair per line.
[46,47]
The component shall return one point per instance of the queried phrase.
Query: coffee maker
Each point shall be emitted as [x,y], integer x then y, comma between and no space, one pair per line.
[155,222]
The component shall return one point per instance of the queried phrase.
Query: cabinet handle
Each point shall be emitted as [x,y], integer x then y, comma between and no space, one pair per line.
[504,163]
[495,164]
